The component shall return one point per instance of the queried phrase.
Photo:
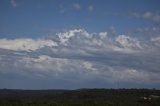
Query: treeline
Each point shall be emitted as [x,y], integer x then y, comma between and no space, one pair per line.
[80,97]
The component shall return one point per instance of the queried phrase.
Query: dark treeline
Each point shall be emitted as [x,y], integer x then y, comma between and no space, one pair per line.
[80,97]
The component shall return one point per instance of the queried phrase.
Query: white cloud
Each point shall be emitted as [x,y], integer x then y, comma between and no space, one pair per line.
[103,35]
[89,66]
[25,44]
[13,3]
[153,16]
[128,42]
[156,41]
[79,41]
[79,37]
[76,6]
[41,58]
[82,56]
[64,37]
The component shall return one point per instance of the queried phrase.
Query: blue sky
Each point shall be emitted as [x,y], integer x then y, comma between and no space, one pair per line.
[37,18]
[79,43]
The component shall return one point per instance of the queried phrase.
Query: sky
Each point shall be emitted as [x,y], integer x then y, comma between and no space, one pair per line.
[72,44]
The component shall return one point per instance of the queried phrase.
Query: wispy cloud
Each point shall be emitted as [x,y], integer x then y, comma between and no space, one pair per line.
[77,6]
[62,9]
[13,3]
[152,16]
[90,8]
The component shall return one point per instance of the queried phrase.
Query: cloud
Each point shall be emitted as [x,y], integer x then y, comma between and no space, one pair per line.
[128,42]
[25,44]
[62,9]
[148,15]
[88,66]
[77,6]
[79,57]
[152,16]
[64,37]
[13,3]
[90,8]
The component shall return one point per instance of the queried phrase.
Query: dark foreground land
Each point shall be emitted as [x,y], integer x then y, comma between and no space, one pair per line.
[81,97]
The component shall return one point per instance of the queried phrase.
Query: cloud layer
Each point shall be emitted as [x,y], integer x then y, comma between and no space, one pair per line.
[79,57]
[25,44]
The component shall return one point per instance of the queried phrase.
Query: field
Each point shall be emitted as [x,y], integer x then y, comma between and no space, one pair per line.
[80,97]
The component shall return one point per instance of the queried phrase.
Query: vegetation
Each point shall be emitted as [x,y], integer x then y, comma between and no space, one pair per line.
[80,97]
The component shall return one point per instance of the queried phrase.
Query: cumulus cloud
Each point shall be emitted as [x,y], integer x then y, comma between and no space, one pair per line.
[64,37]
[127,42]
[79,56]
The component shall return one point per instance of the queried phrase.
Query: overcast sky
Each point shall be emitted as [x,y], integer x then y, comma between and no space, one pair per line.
[70,44]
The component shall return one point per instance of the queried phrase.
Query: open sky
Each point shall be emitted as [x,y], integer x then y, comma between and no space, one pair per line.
[70,44]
